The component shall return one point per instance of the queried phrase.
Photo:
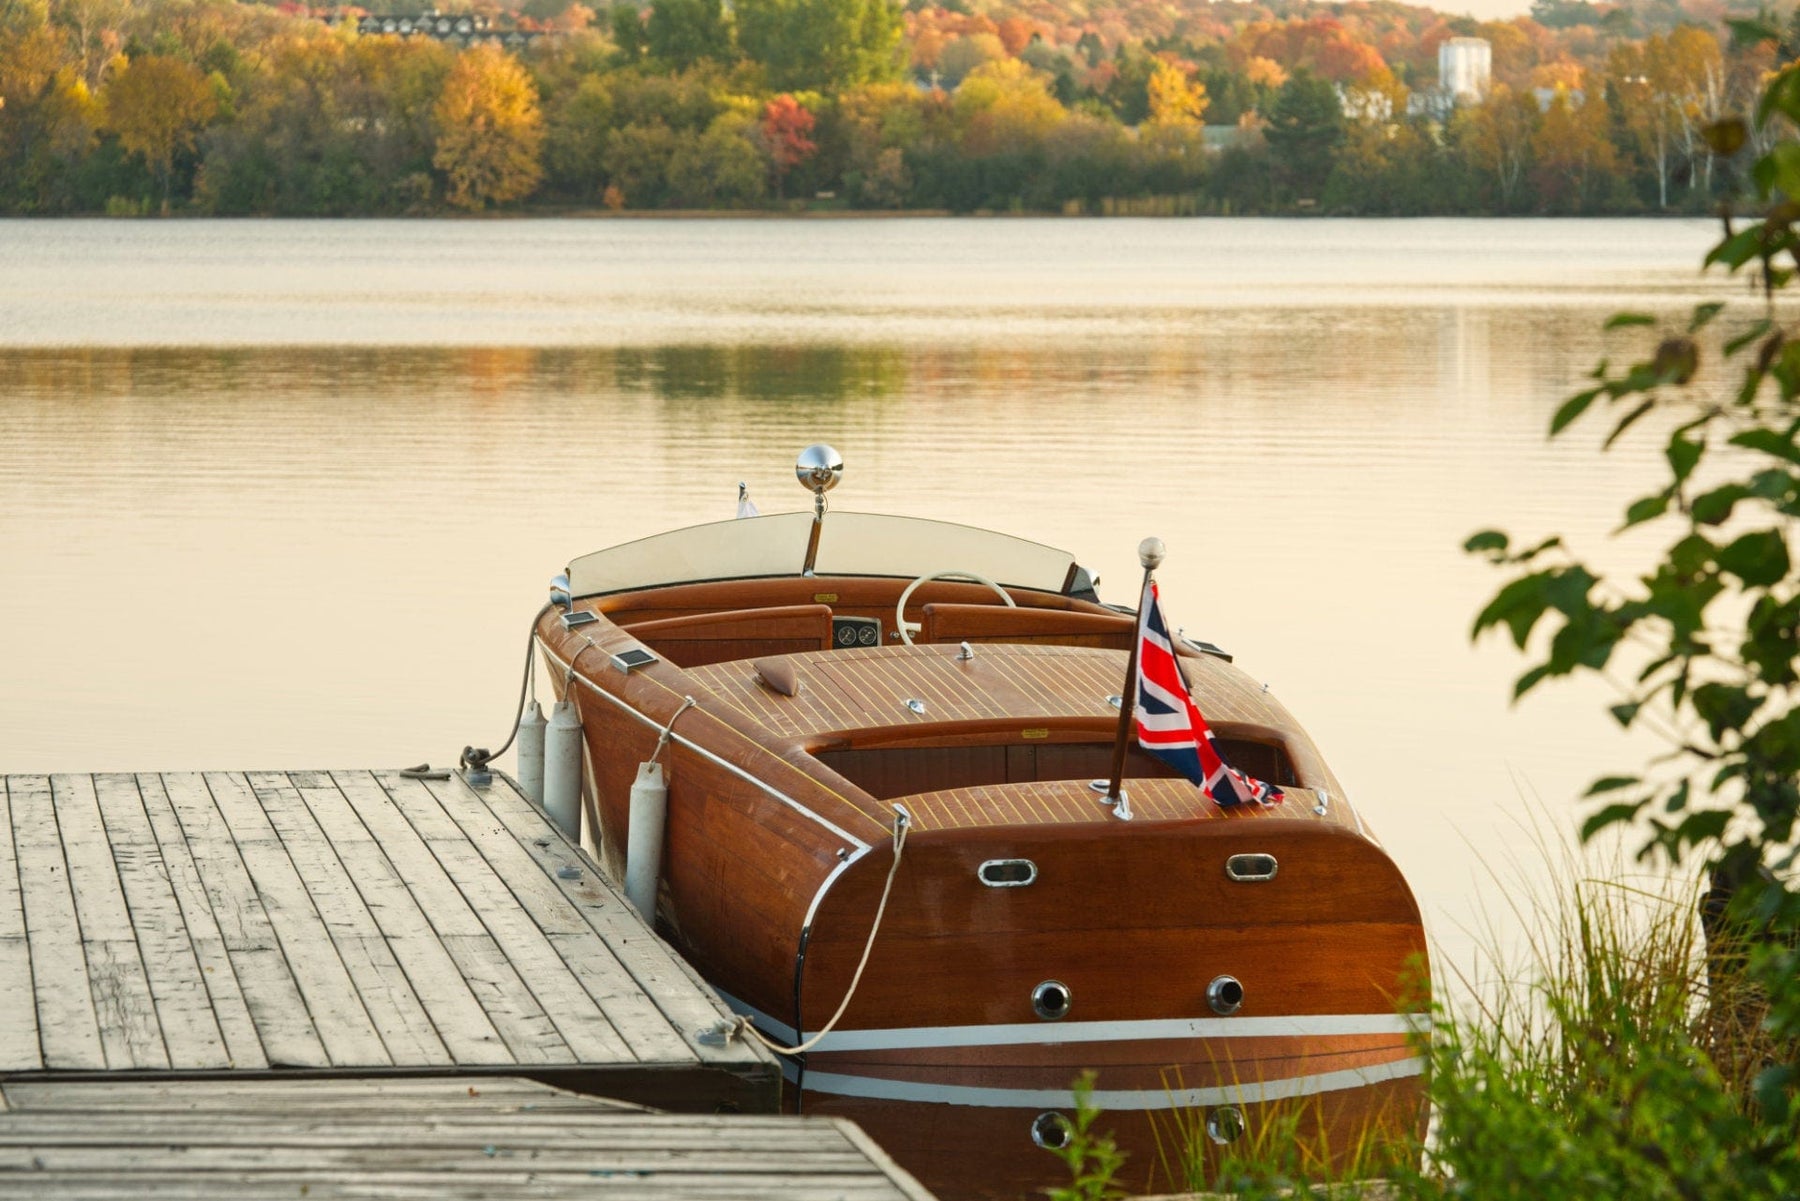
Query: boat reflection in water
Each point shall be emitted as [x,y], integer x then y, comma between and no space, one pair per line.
[890,840]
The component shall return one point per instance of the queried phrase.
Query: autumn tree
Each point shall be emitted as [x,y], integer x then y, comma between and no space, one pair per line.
[1495,139]
[825,45]
[575,137]
[1174,100]
[1005,105]
[962,55]
[156,106]
[1574,161]
[785,129]
[329,123]
[19,17]
[490,130]
[1664,84]
[683,32]
[628,32]
[47,121]
[720,166]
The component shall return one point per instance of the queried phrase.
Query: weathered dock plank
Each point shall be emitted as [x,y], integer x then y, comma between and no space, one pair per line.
[650,1033]
[339,1014]
[528,1033]
[328,924]
[459,1019]
[512,924]
[617,924]
[129,1030]
[449,1137]
[283,1024]
[182,1008]
[68,1027]
[388,997]
[212,959]
[18,1005]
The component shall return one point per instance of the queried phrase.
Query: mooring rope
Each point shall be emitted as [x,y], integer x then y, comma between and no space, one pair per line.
[902,823]
[471,753]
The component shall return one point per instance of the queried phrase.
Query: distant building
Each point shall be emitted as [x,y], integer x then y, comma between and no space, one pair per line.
[1545,97]
[462,30]
[1465,72]
[1465,69]
[1361,104]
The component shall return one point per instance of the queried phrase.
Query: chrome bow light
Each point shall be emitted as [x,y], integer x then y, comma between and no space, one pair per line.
[819,468]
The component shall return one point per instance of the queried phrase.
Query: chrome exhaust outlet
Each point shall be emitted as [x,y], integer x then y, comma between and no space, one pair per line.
[1224,994]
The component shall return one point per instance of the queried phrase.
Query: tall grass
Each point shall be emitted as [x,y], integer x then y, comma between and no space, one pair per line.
[1590,1066]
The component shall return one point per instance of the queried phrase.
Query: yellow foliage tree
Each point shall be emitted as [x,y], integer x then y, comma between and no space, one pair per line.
[490,130]
[1265,72]
[1005,103]
[1572,153]
[1174,100]
[156,106]
[1496,137]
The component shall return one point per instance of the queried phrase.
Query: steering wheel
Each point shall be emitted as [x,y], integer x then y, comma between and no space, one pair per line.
[909,628]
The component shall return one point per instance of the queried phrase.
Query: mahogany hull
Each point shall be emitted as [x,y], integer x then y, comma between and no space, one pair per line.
[774,865]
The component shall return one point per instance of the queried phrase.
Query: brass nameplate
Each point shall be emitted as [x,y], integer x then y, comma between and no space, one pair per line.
[825,598]
[1038,733]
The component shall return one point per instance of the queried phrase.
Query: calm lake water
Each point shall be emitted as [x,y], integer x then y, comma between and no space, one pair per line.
[286,494]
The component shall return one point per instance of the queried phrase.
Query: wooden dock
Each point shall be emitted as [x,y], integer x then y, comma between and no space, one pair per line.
[345,923]
[490,1137]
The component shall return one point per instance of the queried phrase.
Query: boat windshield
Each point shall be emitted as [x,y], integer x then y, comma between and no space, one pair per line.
[850,544]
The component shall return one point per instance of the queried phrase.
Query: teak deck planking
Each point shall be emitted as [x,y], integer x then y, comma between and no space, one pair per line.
[441,1137]
[329,923]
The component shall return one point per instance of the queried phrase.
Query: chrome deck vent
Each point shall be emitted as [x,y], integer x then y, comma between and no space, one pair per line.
[1225,995]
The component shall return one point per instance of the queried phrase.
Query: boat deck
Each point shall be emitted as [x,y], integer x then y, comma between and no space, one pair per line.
[842,690]
[336,923]
[480,1137]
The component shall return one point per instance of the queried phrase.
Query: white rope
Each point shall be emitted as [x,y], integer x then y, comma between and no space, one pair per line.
[902,823]
[687,702]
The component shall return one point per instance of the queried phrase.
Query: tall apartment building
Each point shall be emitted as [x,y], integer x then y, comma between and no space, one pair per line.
[1465,67]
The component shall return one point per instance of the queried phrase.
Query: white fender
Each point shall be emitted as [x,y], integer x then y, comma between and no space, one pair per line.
[531,754]
[562,769]
[644,838]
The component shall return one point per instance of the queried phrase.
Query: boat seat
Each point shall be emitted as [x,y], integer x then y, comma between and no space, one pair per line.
[701,638]
[998,623]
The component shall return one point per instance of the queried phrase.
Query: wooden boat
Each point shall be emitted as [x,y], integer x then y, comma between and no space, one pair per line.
[819,676]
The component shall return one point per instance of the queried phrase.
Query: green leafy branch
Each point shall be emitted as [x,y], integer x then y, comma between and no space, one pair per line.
[1715,618]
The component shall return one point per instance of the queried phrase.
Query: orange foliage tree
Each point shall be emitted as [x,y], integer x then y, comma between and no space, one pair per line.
[785,126]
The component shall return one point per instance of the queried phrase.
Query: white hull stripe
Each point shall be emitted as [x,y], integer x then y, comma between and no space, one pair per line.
[733,768]
[1059,1033]
[1248,1093]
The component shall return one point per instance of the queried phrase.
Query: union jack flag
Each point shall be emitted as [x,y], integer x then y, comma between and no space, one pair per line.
[1169,724]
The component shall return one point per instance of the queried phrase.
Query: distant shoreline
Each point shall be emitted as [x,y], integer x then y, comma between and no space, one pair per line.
[589,214]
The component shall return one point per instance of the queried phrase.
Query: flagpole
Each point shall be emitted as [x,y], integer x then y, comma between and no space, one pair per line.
[1150,554]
